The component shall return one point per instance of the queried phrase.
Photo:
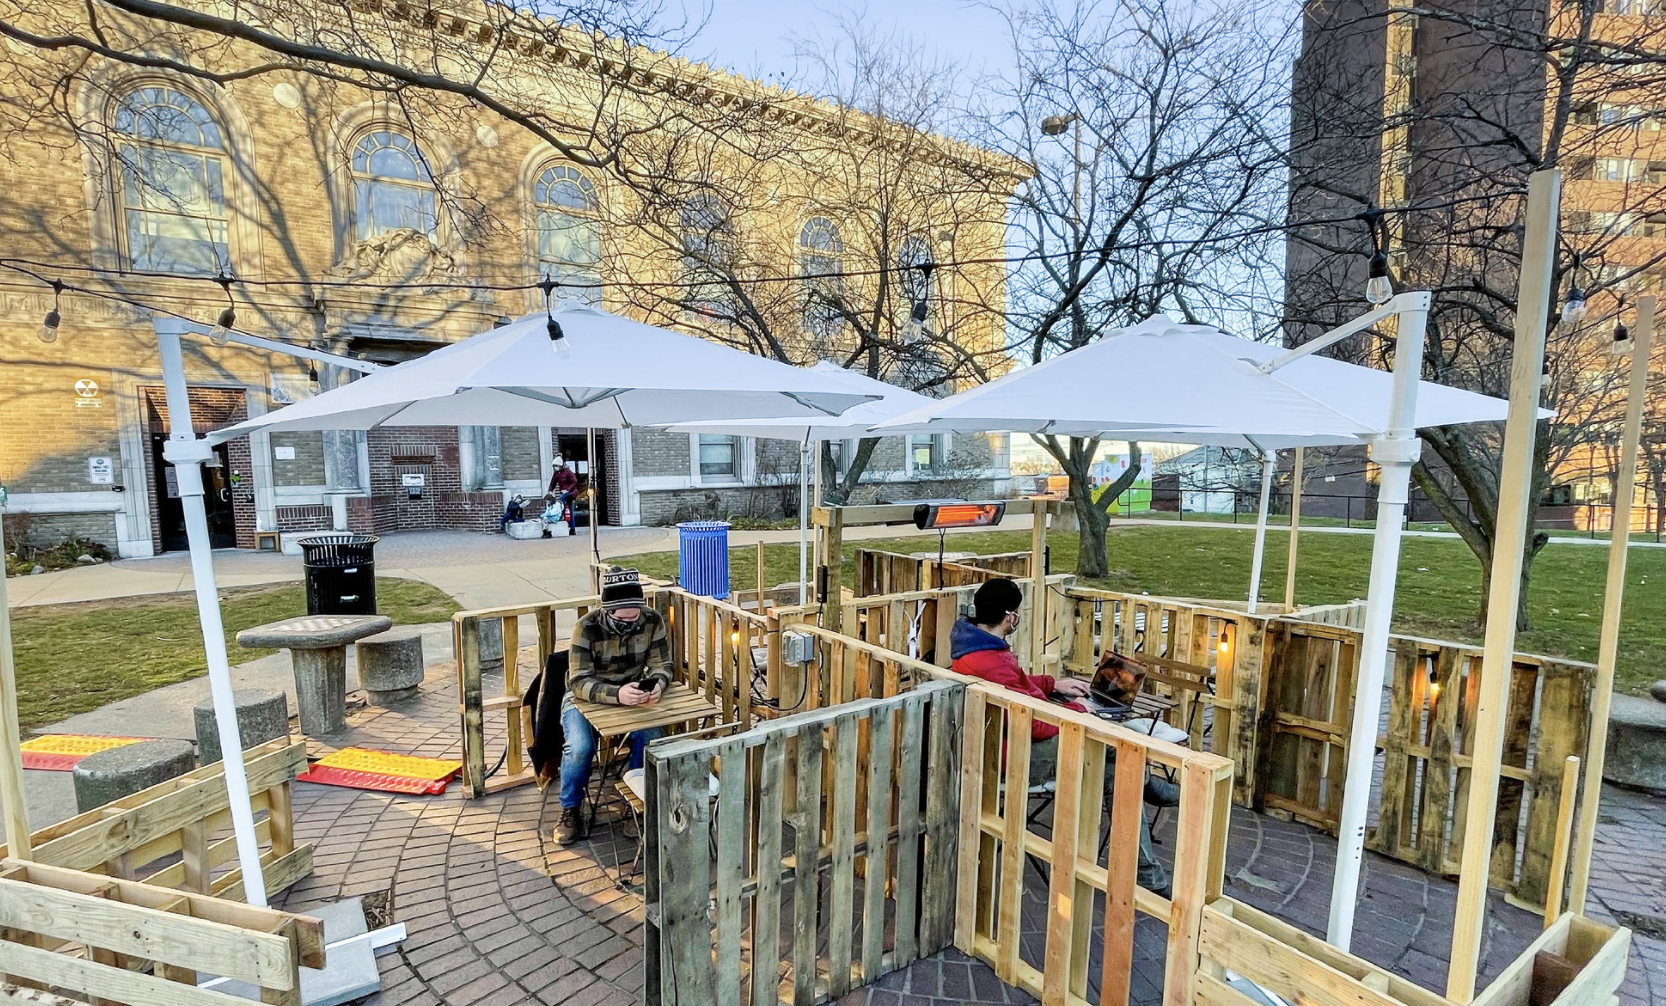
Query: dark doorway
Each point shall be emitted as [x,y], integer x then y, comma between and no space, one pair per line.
[573,445]
[170,509]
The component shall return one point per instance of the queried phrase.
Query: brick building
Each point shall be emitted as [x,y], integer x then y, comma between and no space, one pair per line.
[341,223]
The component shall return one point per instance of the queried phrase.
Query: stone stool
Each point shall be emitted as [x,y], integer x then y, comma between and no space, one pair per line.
[1637,743]
[262,715]
[118,772]
[390,665]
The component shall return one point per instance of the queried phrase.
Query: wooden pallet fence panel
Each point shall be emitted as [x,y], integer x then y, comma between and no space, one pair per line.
[685,873]
[938,892]
[1564,721]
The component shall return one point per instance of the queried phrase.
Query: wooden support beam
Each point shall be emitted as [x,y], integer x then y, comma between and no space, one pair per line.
[1613,594]
[1504,591]
[832,609]
[12,809]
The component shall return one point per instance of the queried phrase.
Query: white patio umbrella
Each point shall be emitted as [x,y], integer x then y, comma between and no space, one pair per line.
[854,422]
[1162,381]
[578,366]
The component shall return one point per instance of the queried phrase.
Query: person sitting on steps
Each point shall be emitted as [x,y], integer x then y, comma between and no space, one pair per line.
[620,655]
[978,645]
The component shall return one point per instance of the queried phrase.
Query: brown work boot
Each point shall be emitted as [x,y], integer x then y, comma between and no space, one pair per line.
[571,827]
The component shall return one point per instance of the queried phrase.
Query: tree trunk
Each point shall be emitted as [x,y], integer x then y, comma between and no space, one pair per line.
[1091,522]
[840,490]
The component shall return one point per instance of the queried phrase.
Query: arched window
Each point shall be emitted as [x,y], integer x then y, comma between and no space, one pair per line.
[708,254]
[820,259]
[392,189]
[173,198]
[569,233]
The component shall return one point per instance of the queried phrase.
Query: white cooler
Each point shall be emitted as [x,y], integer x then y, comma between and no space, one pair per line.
[524,529]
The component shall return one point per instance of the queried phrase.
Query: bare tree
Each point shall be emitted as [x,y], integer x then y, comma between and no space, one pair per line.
[1152,132]
[1467,102]
[827,243]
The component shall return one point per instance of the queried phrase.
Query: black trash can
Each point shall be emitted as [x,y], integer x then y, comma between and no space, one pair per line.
[341,573]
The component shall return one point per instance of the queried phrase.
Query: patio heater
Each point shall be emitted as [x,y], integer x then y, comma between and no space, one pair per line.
[187,453]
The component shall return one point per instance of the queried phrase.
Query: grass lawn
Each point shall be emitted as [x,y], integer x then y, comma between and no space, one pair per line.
[1439,591]
[72,658]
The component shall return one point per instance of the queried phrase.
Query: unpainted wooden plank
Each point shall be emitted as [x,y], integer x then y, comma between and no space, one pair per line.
[1194,840]
[806,823]
[841,879]
[1438,771]
[882,752]
[910,778]
[683,816]
[1061,895]
[1517,728]
[971,796]
[91,978]
[1089,811]
[1393,804]
[1122,873]
[470,699]
[1564,716]
[942,819]
[731,838]
[1010,887]
[766,903]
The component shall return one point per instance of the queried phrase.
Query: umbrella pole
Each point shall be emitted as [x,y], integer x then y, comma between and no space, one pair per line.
[12,803]
[590,497]
[1268,460]
[1608,643]
[1295,531]
[186,452]
[1515,484]
[815,501]
[803,521]
[1396,451]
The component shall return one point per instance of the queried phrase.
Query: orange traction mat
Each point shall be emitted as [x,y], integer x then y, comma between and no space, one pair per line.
[61,752]
[381,781]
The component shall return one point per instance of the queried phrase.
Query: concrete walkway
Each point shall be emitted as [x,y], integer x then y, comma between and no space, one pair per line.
[478,570]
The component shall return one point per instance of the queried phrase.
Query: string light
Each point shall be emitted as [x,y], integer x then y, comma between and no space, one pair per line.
[558,339]
[1573,308]
[1378,289]
[221,332]
[312,372]
[1621,346]
[48,331]
[917,317]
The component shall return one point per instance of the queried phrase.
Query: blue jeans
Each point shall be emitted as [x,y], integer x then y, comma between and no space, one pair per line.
[579,749]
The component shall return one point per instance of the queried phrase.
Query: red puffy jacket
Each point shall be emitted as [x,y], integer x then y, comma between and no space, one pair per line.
[985,655]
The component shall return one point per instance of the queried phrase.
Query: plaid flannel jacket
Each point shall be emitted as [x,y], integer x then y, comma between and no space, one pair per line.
[602,662]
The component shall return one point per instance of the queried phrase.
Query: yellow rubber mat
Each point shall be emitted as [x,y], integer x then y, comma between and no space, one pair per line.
[60,752]
[382,763]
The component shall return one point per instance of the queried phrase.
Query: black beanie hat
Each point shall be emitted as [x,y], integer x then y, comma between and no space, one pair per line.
[621,588]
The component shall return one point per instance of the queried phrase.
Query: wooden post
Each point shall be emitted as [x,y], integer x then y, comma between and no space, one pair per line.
[12,807]
[1295,529]
[1596,751]
[832,609]
[1038,594]
[760,577]
[1504,592]
[1559,853]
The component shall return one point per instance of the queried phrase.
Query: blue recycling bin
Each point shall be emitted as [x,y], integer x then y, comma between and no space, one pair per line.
[703,557]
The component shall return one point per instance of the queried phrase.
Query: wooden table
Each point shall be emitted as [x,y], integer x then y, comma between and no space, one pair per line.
[679,704]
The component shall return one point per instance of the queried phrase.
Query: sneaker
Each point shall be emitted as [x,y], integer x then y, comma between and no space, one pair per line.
[571,827]
[1161,793]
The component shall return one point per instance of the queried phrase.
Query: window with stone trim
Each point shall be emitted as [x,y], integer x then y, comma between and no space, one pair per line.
[567,214]
[821,252]
[719,457]
[171,175]
[708,240]
[392,187]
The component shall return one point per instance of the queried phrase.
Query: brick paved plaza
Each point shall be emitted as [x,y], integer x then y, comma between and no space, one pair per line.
[499,915]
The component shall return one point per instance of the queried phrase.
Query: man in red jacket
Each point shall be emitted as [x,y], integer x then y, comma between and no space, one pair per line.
[978,646]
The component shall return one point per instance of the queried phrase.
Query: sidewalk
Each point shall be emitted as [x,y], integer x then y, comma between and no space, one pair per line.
[478,570]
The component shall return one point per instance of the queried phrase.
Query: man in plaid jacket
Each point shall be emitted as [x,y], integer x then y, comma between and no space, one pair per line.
[620,655]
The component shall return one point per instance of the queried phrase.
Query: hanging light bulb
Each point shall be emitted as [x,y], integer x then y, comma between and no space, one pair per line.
[220,334]
[312,372]
[558,339]
[1377,288]
[1573,308]
[1621,346]
[48,331]
[916,322]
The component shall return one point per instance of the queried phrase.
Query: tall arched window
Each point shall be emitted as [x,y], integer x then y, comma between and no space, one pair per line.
[820,259]
[392,188]
[708,254]
[173,199]
[569,233]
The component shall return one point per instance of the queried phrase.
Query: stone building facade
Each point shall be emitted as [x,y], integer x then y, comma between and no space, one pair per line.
[339,224]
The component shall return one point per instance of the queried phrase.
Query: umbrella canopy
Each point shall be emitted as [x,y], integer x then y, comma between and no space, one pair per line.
[619,373]
[854,422]
[1167,382]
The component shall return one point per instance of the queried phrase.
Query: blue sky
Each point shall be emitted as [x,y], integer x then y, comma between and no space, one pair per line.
[755,37]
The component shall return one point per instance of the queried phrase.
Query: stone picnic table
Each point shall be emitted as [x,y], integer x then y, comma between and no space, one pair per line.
[317,646]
